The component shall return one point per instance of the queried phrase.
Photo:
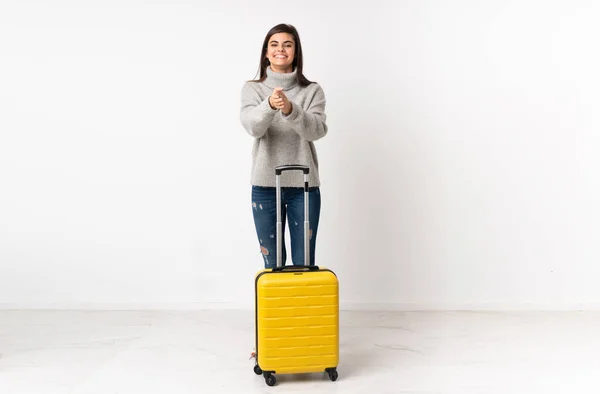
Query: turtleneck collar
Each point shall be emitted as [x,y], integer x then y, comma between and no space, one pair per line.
[282,80]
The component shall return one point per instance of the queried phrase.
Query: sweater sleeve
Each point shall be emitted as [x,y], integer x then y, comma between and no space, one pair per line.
[256,114]
[310,124]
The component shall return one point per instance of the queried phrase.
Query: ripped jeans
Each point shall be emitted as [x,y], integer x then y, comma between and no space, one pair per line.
[264,208]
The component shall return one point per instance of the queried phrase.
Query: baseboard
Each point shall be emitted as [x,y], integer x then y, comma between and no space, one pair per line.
[471,306]
[344,306]
[99,306]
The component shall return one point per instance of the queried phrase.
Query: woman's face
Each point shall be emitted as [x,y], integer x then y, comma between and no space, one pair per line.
[280,52]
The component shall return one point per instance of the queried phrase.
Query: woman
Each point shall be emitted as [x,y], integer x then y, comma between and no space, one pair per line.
[285,113]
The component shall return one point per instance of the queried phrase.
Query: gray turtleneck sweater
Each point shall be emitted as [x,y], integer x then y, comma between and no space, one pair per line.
[280,139]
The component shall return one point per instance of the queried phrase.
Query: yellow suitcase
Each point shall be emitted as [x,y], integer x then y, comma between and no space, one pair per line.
[296,311]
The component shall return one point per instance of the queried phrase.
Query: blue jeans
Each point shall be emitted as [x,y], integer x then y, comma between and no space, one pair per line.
[264,208]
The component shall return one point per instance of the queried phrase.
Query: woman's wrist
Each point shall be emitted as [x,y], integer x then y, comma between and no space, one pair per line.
[271,105]
[289,112]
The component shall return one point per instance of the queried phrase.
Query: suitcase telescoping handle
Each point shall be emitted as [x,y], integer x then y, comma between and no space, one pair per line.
[292,167]
[278,171]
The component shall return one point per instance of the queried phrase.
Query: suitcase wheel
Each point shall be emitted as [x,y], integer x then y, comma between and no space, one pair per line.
[333,375]
[270,379]
[257,370]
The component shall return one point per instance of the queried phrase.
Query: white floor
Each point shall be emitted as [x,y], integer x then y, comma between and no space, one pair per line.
[50,352]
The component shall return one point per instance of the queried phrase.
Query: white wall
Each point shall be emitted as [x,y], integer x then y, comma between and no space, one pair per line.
[460,171]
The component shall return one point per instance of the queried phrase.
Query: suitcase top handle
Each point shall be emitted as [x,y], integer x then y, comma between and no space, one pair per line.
[291,167]
[297,268]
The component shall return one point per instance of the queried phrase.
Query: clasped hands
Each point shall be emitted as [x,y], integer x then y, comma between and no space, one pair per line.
[279,100]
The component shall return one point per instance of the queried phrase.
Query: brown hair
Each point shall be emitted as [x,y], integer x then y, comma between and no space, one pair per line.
[297,63]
